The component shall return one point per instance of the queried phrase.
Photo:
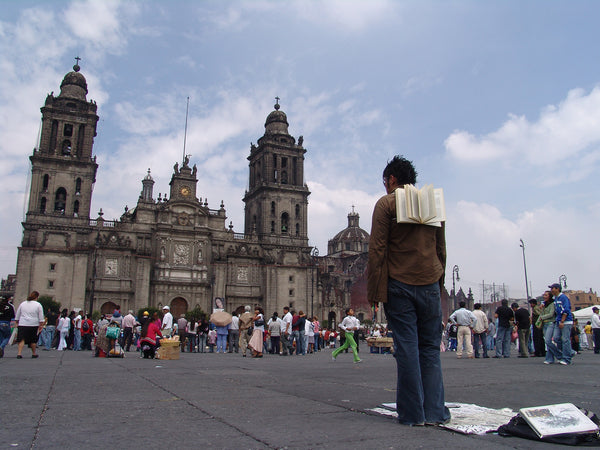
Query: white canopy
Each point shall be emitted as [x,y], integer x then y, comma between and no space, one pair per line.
[585,314]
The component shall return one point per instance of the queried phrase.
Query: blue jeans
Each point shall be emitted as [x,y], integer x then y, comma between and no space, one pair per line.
[77,339]
[503,341]
[477,339]
[414,315]
[221,342]
[5,333]
[47,335]
[560,346]
[548,333]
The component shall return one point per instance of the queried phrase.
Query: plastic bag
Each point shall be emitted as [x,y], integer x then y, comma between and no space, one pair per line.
[13,337]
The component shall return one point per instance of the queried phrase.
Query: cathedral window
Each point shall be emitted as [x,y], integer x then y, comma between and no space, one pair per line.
[348,244]
[60,200]
[283,162]
[43,205]
[273,208]
[76,208]
[291,292]
[45,182]
[52,267]
[50,284]
[66,147]
[294,171]
[297,211]
[68,130]
[297,230]
[284,178]
[78,186]
[272,227]
[284,223]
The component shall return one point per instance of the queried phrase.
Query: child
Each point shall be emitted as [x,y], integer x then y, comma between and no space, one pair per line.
[212,340]
[350,324]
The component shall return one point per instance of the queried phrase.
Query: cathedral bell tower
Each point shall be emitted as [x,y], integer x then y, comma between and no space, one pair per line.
[63,169]
[277,198]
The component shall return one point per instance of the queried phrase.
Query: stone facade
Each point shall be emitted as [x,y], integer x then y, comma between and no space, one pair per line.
[176,252]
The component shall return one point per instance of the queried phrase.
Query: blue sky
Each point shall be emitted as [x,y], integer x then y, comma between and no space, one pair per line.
[497,102]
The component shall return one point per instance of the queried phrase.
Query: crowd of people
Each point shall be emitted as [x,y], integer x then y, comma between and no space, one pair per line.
[547,330]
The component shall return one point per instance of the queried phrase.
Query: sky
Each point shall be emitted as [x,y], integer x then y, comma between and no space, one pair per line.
[496,102]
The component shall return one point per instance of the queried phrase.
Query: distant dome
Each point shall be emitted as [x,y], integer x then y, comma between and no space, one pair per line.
[277,121]
[352,239]
[74,85]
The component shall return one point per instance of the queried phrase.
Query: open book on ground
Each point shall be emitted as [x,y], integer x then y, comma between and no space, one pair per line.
[423,206]
[552,420]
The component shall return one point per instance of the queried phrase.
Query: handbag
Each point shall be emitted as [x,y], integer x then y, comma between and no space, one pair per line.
[13,337]
[259,323]
[112,332]
[539,323]
[514,335]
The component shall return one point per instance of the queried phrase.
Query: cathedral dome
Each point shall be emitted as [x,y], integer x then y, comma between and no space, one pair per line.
[277,121]
[74,85]
[352,239]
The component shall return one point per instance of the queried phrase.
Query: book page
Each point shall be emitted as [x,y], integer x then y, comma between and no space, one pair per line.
[401,215]
[552,420]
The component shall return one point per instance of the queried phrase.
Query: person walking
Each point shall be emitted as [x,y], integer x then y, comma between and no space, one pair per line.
[350,324]
[30,322]
[7,315]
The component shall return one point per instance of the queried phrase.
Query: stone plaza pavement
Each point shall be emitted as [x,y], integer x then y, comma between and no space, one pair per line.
[72,400]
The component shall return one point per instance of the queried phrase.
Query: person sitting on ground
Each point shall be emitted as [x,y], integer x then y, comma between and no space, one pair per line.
[150,336]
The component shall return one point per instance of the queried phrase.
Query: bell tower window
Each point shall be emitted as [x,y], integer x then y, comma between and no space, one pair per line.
[53,136]
[284,223]
[80,138]
[78,186]
[76,208]
[66,147]
[297,230]
[272,227]
[68,130]
[43,205]
[45,182]
[284,177]
[273,208]
[60,200]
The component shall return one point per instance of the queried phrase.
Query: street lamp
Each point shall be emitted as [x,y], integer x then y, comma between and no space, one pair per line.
[562,280]
[315,255]
[454,271]
[522,245]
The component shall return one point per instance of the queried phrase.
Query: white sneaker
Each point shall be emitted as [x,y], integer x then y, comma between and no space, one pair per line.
[359,361]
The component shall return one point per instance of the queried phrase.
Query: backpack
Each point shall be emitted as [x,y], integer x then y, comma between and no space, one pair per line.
[85,326]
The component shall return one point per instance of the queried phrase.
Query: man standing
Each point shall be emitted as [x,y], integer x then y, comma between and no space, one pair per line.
[562,328]
[47,334]
[246,320]
[539,347]
[286,345]
[480,330]
[182,331]
[504,315]
[128,324]
[167,322]
[523,325]
[234,333]
[405,272]
[7,314]
[596,329]
[465,321]
[87,333]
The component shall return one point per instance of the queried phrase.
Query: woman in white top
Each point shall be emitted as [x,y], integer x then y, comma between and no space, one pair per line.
[63,328]
[256,341]
[30,321]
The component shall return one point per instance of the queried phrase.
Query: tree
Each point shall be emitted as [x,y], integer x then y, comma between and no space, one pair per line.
[49,304]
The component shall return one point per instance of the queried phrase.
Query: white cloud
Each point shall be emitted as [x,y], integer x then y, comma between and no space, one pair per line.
[100,24]
[566,132]
[485,244]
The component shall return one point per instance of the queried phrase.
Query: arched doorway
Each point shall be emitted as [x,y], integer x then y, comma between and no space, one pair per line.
[331,320]
[108,308]
[179,306]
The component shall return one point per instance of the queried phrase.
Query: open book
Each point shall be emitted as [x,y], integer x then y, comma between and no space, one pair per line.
[424,206]
[551,420]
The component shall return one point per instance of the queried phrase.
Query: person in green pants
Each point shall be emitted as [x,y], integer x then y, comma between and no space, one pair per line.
[349,325]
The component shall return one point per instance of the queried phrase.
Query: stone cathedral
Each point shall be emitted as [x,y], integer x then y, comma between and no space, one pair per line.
[176,251]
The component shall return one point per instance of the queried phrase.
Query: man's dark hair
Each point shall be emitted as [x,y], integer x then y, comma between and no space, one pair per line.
[477,306]
[515,306]
[504,302]
[402,169]
[462,304]
[286,308]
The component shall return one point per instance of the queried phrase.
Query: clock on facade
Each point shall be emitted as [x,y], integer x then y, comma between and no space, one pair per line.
[111,266]
[185,191]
